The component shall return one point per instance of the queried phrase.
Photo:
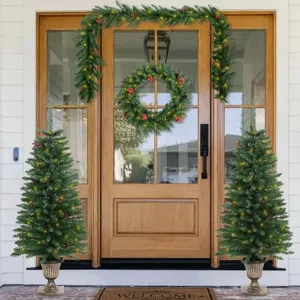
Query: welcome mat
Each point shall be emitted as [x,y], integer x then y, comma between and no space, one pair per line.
[155,293]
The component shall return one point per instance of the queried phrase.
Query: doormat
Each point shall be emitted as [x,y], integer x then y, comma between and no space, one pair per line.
[155,293]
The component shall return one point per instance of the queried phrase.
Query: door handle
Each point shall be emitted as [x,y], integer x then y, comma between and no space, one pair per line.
[204,148]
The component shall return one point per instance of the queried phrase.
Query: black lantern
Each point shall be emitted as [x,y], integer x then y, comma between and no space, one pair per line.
[163,44]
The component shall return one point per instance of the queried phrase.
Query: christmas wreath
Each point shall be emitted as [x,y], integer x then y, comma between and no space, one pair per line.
[89,58]
[137,114]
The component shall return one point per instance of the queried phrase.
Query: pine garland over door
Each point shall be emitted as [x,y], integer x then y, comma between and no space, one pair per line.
[89,58]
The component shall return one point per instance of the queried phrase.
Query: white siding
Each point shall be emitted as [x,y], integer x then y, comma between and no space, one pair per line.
[11,133]
[294,129]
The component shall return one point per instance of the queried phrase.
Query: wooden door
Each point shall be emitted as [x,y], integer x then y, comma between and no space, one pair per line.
[154,201]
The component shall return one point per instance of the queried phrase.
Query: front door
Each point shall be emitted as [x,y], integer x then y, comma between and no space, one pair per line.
[155,200]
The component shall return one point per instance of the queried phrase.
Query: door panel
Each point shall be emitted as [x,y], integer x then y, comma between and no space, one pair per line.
[154,202]
[155,217]
[59,107]
[253,65]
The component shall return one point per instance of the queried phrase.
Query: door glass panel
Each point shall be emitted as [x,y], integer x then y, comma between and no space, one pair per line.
[177,151]
[134,153]
[61,68]
[183,56]
[248,66]
[129,55]
[237,120]
[177,157]
[74,124]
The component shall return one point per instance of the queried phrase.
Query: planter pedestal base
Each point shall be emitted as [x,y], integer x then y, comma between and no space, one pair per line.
[261,292]
[42,291]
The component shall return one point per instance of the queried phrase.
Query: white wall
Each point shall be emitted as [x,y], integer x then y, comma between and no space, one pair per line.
[294,136]
[12,131]
[17,127]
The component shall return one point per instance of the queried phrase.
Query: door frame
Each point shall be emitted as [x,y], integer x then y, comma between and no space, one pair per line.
[90,190]
[240,20]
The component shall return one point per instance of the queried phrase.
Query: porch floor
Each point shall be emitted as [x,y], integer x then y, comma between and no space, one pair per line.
[88,293]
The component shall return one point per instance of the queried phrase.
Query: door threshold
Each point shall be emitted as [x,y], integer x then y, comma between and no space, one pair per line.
[157,264]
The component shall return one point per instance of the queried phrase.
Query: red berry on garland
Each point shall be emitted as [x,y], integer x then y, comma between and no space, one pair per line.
[218,15]
[180,80]
[99,21]
[150,78]
[144,117]
[228,45]
[178,119]
[94,52]
[130,90]
[238,144]
[132,15]
[35,144]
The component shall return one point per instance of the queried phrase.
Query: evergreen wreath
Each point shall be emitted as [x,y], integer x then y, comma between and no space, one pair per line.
[99,18]
[154,121]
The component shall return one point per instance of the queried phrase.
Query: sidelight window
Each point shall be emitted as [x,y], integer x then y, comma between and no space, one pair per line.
[248,87]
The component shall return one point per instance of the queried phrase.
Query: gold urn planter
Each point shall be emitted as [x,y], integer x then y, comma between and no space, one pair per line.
[254,272]
[51,272]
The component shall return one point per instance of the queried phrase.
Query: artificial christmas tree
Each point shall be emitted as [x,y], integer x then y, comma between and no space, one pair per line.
[255,221]
[51,222]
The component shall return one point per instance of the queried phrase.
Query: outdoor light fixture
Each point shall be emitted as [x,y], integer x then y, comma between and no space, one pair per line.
[163,44]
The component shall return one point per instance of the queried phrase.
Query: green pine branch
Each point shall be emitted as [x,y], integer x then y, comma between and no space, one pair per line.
[89,59]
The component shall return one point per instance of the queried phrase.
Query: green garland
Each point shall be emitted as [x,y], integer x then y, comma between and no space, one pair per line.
[154,121]
[89,59]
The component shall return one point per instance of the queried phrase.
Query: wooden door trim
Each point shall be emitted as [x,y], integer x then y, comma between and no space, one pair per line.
[91,190]
[225,12]
[258,20]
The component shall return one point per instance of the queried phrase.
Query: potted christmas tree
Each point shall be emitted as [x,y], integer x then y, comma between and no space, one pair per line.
[51,222]
[254,220]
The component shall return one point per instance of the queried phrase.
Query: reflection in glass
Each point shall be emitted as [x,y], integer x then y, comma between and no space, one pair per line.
[129,55]
[178,152]
[237,120]
[163,45]
[183,56]
[249,67]
[134,154]
[61,68]
[74,124]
